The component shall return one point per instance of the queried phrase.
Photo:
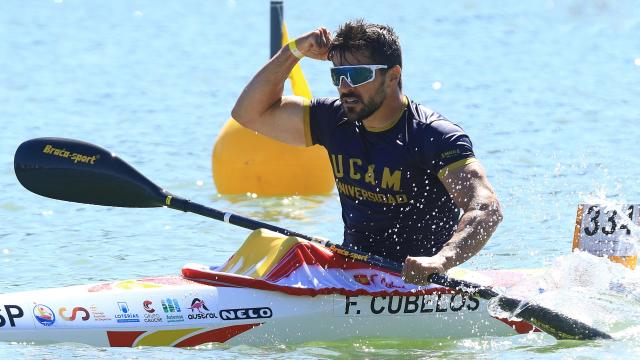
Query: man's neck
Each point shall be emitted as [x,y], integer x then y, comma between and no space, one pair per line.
[388,113]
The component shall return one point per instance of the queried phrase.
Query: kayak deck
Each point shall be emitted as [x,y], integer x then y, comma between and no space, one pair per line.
[174,311]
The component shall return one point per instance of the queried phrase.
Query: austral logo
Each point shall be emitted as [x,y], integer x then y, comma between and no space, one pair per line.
[199,305]
[13,312]
[74,313]
[246,313]
[125,315]
[44,315]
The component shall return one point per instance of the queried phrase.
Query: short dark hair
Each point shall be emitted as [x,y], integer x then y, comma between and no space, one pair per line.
[379,42]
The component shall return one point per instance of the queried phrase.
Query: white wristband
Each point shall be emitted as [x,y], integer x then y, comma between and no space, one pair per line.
[294,49]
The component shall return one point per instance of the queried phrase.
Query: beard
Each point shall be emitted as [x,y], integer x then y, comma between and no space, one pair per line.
[367,108]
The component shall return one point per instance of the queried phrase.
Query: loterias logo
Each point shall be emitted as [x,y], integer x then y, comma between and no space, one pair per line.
[199,305]
[44,315]
[246,313]
[74,313]
[125,315]
[13,312]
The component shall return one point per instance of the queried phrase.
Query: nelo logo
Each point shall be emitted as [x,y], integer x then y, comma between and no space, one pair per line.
[13,312]
[248,313]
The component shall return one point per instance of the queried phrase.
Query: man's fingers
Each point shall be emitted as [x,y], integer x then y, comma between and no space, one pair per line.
[326,36]
[408,270]
[417,270]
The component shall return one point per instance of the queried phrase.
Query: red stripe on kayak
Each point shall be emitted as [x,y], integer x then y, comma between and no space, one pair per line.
[521,327]
[216,336]
[123,338]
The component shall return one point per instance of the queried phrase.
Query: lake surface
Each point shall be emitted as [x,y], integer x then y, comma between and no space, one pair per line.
[547,90]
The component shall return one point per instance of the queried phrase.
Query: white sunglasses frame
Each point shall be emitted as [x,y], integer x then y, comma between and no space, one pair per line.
[372,67]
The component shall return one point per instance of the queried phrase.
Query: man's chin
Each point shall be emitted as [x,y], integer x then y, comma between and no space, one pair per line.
[351,114]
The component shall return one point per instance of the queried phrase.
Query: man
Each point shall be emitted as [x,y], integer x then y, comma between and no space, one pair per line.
[403,171]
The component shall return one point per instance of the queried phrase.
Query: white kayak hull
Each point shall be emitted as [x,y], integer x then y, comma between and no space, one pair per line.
[172,311]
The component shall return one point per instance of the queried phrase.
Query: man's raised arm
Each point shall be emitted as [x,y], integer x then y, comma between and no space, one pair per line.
[262,106]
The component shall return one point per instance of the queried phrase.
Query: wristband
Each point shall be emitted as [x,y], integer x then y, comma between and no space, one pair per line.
[294,49]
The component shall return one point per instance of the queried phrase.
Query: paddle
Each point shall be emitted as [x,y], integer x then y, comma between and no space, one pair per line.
[77,171]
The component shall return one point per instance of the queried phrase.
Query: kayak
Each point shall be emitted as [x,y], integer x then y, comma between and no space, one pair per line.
[182,312]
[280,287]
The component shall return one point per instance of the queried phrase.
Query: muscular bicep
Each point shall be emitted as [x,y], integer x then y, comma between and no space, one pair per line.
[469,187]
[283,121]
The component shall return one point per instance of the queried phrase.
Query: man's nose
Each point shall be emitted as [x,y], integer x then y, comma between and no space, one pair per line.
[344,83]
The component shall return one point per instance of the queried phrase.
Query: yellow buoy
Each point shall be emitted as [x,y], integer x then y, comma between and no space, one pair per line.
[244,161]
[247,162]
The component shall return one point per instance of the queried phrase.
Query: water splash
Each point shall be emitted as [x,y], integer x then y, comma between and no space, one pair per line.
[588,288]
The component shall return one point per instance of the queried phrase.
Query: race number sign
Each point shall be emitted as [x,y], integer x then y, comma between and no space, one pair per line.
[609,230]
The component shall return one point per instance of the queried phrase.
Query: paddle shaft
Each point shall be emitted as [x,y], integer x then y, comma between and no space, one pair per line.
[181,204]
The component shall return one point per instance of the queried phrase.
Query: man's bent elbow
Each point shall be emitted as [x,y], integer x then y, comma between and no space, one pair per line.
[241,116]
[492,211]
[495,212]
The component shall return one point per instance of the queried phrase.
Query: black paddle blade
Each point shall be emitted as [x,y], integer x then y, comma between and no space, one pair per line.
[555,324]
[77,171]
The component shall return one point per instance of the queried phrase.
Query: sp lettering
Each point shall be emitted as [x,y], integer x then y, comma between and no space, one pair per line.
[10,314]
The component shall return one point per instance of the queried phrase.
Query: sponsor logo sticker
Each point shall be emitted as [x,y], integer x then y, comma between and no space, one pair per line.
[44,315]
[362,279]
[125,315]
[171,307]
[84,314]
[199,305]
[147,306]
[151,316]
[246,313]
[97,314]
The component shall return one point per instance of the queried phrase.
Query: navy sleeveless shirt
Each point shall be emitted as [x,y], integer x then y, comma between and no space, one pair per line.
[393,202]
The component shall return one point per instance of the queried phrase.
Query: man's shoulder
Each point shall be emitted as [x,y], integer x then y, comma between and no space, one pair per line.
[430,120]
[330,102]
[326,110]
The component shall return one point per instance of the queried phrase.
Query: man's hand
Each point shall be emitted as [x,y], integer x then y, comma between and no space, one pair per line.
[417,269]
[315,44]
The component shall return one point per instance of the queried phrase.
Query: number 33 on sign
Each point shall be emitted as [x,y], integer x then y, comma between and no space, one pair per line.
[609,230]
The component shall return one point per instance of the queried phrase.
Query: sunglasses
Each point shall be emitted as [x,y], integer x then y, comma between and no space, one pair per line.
[355,75]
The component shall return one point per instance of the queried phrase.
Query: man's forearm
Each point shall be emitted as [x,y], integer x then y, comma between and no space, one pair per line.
[474,230]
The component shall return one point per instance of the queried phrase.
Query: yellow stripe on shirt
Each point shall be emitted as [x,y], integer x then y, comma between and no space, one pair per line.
[455,165]
[306,108]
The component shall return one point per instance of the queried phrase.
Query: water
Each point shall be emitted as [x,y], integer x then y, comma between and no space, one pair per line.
[547,90]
